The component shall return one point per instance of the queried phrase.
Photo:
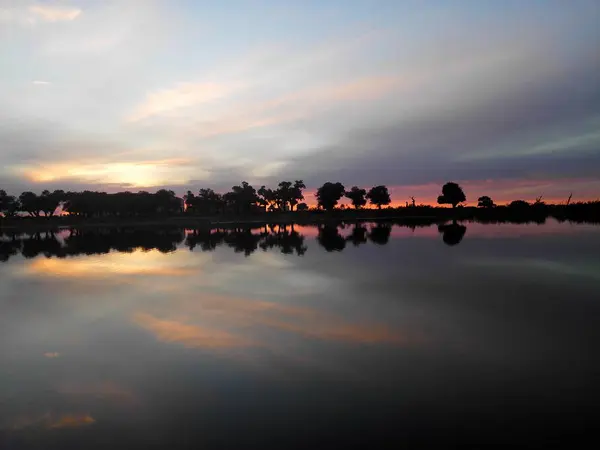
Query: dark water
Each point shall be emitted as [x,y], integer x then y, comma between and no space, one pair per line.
[372,336]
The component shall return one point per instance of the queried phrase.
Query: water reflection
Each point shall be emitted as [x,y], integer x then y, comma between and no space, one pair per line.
[452,234]
[288,239]
[114,340]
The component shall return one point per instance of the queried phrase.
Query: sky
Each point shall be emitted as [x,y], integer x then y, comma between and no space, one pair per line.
[113,95]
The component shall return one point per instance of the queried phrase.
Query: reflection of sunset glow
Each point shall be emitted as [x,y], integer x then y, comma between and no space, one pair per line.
[246,319]
[188,335]
[73,421]
[52,421]
[137,263]
[104,389]
[142,173]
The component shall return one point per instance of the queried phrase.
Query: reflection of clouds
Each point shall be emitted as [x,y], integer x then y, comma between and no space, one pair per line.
[51,354]
[188,335]
[106,390]
[51,421]
[72,421]
[523,265]
[237,322]
[151,263]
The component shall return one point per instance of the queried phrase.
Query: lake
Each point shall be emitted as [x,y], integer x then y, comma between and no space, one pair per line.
[367,336]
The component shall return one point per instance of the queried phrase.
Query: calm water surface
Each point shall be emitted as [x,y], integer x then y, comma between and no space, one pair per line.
[365,336]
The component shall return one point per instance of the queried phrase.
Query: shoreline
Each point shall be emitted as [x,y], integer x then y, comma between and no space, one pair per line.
[417,218]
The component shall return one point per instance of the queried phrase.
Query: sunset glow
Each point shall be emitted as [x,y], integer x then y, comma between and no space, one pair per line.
[95,101]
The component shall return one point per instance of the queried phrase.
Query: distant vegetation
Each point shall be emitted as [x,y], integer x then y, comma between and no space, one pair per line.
[287,198]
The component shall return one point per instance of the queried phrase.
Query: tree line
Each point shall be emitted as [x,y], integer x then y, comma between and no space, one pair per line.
[241,199]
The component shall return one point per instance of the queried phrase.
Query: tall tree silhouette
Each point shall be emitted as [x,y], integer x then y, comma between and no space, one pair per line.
[297,195]
[265,197]
[9,206]
[357,197]
[452,194]
[379,196]
[242,198]
[189,200]
[329,195]
[30,203]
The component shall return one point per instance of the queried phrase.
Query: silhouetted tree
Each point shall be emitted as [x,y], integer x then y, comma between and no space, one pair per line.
[30,203]
[302,207]
[539,202]
[189,200]
[266,197]
[519,204]
[485,202]
[9,205]
[357,197]
[379,196]
[452,233]
[452,194]
[241,198]
[49,201]
[380,234]
[329,195]
[296,194]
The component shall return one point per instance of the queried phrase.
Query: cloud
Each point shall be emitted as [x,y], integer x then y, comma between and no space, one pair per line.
[183,95]
[51,354]
[504,97]
[40,83]
[49,13]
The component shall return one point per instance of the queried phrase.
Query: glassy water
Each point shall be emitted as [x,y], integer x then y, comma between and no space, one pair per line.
[366,335]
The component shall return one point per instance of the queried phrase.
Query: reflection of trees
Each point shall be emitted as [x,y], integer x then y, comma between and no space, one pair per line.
[452,233]
[289,241]
[123,240]
[247,239]
[358,235]
[242,239]
[380,233]
[330,238]
[41,244]
[9,246]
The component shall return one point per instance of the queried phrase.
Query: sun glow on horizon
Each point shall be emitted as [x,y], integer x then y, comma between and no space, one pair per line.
[135,174]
